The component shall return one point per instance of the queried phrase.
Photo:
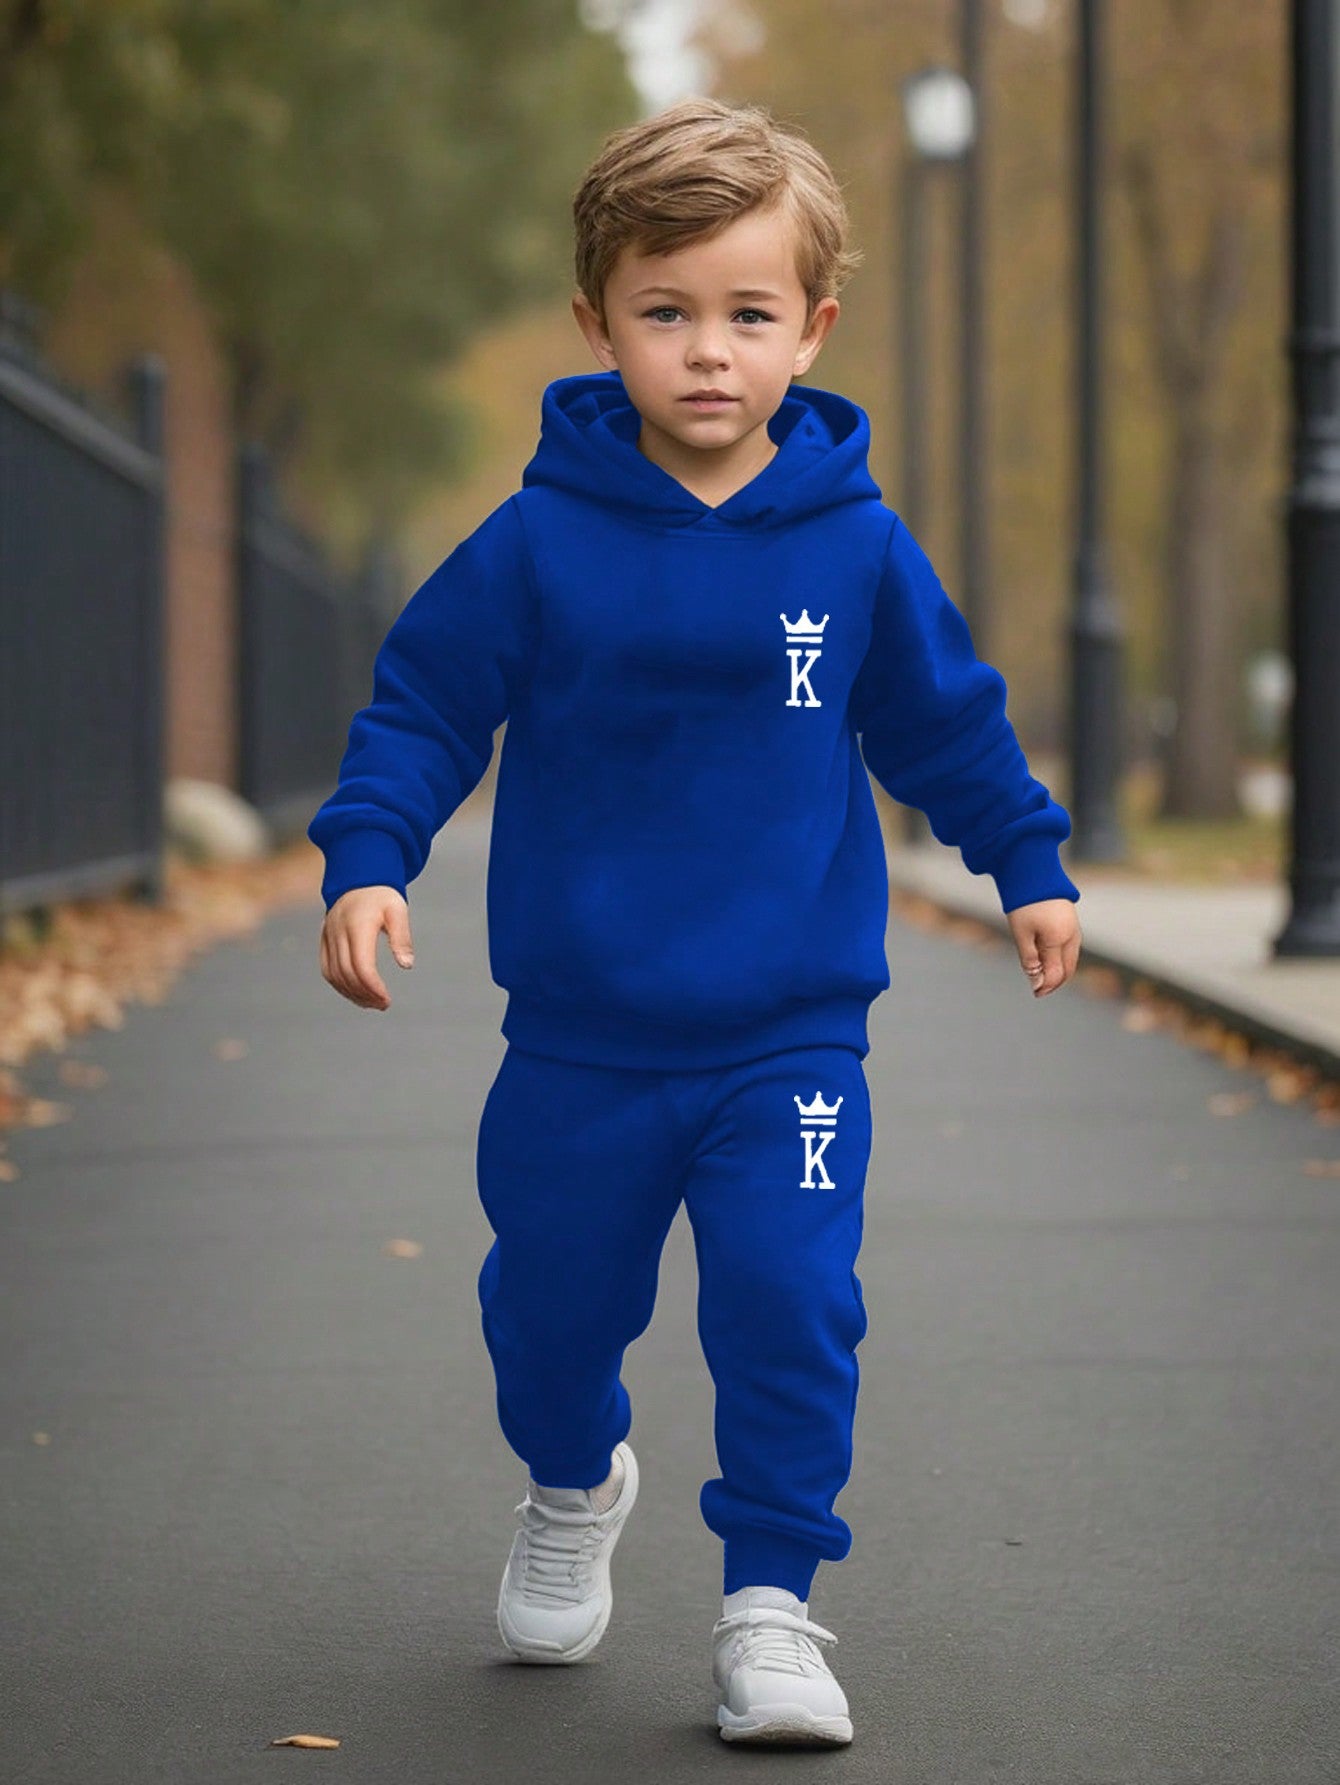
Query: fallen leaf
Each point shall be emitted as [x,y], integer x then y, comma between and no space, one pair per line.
[1231,1103]
[1287,1084]
[75,964]
[304,1741]
[1322,1168]
[230,1049]
[1139,1020]
[1102,982]
[9,1172]
[41,1437]
[402,1248]
[82,1072]
[43,1113]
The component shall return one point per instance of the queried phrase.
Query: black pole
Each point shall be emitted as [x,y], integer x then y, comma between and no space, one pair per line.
[1096,632]
[1313,510]
[973,516]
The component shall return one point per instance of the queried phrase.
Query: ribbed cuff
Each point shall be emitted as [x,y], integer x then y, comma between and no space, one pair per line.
[767,1559]
[1031,871]
[362,858]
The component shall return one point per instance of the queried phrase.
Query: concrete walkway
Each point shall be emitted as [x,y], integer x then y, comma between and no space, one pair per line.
[1211,943]
[252,1483]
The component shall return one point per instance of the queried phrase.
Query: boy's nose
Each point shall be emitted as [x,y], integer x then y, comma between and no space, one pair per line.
[709,353]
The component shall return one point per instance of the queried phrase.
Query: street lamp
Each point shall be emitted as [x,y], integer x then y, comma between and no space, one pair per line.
[1096,631]
[940,119]
[938,113]
[1313,926]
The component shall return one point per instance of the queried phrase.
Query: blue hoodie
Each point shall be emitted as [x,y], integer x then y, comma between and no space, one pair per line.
[686,865]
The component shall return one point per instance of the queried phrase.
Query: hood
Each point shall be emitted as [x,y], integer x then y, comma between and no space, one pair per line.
[588,447]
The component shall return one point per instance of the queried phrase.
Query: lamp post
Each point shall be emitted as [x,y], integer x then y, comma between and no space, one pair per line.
[1096,630]
[939,117]
[1313,926]
[975,509]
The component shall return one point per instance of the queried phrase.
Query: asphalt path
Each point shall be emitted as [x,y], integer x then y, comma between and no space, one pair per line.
[1096,1493]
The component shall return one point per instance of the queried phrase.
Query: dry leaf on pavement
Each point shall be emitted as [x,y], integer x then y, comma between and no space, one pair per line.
[1231,1103]
[402,1248]
[73,966]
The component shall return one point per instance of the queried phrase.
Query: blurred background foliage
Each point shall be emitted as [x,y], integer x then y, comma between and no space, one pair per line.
[375,202]
[357,189]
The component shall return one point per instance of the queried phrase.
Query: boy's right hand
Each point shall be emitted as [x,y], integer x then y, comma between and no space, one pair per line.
[349,942]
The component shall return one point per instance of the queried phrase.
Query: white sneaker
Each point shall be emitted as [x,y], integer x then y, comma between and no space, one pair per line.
[775,1684]
[555,1598]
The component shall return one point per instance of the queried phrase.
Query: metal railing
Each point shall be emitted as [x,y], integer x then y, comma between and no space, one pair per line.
[82,666]
[307,638]
[81,597]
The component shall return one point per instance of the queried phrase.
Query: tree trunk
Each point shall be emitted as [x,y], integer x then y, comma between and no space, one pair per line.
[1202,779]
[1191,317]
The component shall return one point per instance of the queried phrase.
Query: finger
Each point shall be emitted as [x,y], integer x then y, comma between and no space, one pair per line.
[343,967]
[353,987]
[1030,959]
[329,970]
[364,951]
[397,933]
[1053,969]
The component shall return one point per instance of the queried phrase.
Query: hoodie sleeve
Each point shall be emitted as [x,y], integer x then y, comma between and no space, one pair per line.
[931,719]
[444,679]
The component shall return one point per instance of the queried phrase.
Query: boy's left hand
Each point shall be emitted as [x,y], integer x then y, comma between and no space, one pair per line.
[1047,936]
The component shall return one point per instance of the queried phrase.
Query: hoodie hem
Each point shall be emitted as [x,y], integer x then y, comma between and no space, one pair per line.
[588,1038]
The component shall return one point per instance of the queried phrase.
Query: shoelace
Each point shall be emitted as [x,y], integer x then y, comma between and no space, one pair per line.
[558,1540]
[777,1639]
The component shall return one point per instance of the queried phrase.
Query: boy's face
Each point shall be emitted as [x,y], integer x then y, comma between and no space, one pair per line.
[679,323]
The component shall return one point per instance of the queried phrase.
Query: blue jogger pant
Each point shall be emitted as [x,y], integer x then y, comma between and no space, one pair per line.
[581,1170]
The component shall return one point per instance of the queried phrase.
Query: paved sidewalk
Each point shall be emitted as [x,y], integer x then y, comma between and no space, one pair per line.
[252,1483]
[1209,943]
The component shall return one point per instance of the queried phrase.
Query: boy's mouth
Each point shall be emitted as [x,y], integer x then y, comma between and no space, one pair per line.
[709,399]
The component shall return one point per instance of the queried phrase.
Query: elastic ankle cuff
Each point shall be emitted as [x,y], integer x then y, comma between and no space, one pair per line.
[764,1559]
[560,1473]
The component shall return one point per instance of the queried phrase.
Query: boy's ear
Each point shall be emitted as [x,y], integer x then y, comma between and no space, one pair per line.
[594,330]
[826,313]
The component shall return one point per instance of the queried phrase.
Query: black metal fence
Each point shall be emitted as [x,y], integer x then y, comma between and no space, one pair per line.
[81,596]
[307,641]
[82,637]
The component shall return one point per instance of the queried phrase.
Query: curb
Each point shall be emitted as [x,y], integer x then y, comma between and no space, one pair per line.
[1132,971]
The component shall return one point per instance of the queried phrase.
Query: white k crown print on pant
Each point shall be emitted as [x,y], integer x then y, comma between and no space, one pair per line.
[818,1126]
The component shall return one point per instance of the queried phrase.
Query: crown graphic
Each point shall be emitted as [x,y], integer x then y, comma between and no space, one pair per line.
[804,630]
[818,1111]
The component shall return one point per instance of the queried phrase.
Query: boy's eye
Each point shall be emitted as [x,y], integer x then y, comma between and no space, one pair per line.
[673,310]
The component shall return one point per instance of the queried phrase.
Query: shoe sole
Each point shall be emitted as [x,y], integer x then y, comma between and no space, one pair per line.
[554,1654]
[783,1723]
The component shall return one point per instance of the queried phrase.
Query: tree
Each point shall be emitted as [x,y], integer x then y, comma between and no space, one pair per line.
[355,187]
[1194,362]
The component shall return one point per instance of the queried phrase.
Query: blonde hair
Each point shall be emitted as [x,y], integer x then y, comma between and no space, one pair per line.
[688,172]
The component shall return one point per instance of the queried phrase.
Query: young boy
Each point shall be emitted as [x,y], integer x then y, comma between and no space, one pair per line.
[702,625]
